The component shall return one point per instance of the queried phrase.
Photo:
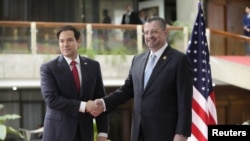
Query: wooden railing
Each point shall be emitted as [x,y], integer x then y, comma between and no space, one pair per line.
[230,35]
[89,29]
[226,43]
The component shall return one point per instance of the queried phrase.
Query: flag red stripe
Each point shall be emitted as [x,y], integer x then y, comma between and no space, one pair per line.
[198,109]
[197,133]
[211,120]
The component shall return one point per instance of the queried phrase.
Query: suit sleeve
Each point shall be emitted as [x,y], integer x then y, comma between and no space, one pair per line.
[101,120]
[122,94]
[184,94]
[51,92]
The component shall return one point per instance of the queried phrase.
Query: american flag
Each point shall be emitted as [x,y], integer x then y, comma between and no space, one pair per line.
[203,104]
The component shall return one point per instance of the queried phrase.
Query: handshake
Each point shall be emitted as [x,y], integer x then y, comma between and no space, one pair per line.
[95,107]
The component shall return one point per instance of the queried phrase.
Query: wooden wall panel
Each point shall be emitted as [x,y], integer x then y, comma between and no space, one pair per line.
[234,24]
[215,20]
[221,107]
[232,103]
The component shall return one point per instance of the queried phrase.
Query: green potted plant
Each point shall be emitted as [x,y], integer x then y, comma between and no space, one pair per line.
[4,129]
[120,52]
[175,37]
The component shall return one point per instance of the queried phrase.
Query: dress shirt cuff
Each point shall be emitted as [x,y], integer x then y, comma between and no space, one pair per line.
[104,105]
[82,107]
[103,134]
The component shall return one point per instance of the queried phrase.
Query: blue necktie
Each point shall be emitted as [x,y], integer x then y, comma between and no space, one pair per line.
[149,68]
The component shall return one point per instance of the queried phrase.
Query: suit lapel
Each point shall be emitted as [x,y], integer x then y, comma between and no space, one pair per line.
[142,67]
[84,75]
[65,69]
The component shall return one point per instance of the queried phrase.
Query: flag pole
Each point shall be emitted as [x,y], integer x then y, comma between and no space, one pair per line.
[201,2]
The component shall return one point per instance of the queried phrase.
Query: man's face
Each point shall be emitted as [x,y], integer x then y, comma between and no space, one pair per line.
[154,36]
[68,44]
[247,10]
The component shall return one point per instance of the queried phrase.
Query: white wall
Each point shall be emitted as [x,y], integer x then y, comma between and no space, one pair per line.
[187,11]
[26,66]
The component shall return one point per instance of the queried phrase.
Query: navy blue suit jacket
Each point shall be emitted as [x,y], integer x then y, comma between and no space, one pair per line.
[164,107]
[63,102]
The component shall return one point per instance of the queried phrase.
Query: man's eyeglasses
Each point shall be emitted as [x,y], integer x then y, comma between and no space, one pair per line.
[152,32]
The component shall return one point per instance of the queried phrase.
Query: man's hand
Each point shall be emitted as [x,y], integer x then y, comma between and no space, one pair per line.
[90,106]
[100,107]
[179,137]
[100,138]
[95,108]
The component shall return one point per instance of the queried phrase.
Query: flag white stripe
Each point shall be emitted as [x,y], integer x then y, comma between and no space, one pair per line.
[212,108]
[192,138]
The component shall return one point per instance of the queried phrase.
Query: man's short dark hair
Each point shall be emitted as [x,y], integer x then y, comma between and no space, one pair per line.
[162,22]
[77,34]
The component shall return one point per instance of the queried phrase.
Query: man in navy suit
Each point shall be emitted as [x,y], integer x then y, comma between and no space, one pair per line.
[67,117]
[162,109]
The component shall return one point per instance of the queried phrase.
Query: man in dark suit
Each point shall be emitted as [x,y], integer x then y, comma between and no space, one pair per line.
[129,36]
[130,17]
[66,117]
[162,109]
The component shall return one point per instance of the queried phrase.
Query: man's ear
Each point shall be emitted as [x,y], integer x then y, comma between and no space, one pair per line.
[79,41]
[166,32]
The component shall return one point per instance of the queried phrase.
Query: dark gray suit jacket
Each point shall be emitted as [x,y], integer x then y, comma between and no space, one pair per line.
[164,107]
[63,102]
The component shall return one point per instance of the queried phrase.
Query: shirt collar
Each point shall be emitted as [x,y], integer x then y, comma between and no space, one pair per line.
[69,60]
[129,13]
[159,52]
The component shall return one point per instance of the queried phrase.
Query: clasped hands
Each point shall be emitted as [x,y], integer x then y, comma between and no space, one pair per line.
[95,107]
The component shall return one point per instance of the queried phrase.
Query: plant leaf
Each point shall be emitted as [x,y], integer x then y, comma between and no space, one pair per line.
[3,132]
[1,106]
[9,117]
[14,131]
